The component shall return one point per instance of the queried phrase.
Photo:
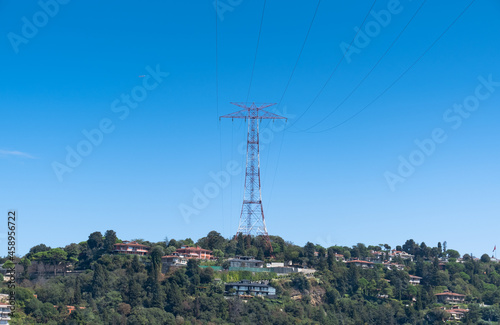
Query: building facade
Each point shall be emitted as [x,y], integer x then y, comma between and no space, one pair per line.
[415,280]
[449,297]
[174,260]
[181,256]
[194,252]
[4,313]
[131,248]
[246,287]
[245,261]
[360,263]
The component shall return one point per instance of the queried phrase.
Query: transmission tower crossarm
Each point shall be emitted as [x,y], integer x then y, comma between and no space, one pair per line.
[254,112]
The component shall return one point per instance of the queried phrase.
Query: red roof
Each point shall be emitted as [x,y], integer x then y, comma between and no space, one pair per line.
[197,248]
[449,294]
[132,243]
[359,261]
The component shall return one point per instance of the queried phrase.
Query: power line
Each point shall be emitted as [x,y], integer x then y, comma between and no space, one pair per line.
[217,102]
[369,72]
[222,189]
[400,76]
[217,58]
[336,67]
[276,169]
[256,49]
[300,53]
[283,95]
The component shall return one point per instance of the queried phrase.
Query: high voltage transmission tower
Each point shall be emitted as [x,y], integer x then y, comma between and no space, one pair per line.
[252,220]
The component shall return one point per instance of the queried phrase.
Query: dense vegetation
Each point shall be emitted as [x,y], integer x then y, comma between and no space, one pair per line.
[120,289]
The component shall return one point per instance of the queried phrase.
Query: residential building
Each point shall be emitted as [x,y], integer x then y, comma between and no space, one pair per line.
[181,256]
[174,260]
[275,264]
[279,264]
[246,287]
[394,266]
[4,313]
[361,263]
[449,297]
[194,252]
[377,256]
[404,255]
[415,280]
[245,261]
[339,257]
[456,313]
[131,247]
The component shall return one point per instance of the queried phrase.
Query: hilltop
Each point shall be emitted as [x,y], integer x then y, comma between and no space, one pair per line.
[93,282]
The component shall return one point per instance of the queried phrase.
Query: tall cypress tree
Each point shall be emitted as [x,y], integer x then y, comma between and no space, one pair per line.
[77,297]
[109,240]
[99,281]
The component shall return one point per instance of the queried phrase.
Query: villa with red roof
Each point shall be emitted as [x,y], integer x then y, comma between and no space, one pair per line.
[404,255]
[181,256]
[456,313]
[449,297]
[415,280]
[194,252]
[131,247]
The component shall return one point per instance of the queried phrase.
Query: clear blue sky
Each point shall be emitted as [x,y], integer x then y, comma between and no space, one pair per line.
[326,187]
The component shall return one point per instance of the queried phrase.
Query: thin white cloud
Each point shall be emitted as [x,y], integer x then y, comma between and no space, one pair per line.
[15,153]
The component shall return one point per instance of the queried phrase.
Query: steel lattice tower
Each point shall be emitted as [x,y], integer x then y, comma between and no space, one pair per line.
[252,220]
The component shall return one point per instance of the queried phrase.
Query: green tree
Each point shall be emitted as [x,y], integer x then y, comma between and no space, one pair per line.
[485,258]
[409,246]
[77,295]
[8,265]
[99,281]
[73,250]
[26,263]
[110,240]
[55,256]
[218,253]
[37,249]
[437,316]
[474,314]
[309,250]
[214,240]
[452,253]
[95,240]
[192,268]
[156,255]
[170,250]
